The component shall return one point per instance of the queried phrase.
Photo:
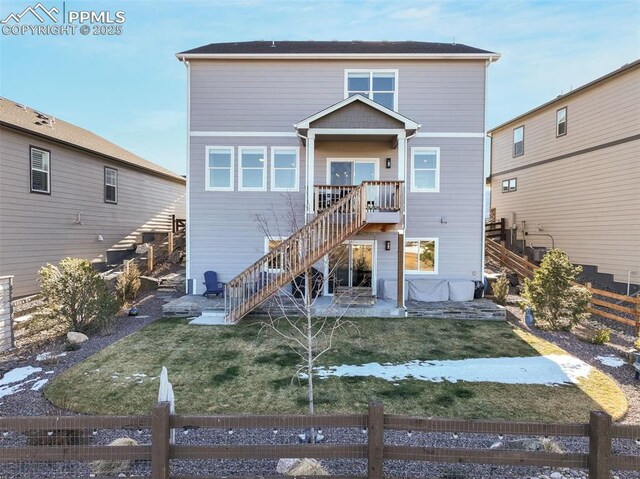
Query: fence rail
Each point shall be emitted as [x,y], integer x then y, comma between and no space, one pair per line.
[629,314]
[496,230]
[599,460]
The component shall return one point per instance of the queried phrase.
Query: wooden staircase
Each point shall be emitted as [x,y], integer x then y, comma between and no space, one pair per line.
[341,213]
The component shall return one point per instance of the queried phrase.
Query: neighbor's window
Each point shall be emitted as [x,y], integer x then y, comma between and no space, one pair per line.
[509,185]
[425,169]
[380,86]
[561,122]
[253,167]
[110,185]
[40,170]
[421,255]
[518,141]
[219,168]
[284,168]
[275,265]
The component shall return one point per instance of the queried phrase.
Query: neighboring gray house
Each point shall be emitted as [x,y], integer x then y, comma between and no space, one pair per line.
[65,191]
[279,124]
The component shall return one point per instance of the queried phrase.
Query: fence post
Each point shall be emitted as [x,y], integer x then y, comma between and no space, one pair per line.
[376,441]
[149,259]
[170,242]
[588,286]
[599,445]
[638,316]
[503,253]
[160,441]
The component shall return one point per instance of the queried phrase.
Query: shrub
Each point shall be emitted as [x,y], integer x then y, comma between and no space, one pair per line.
[552,297]
[500,289]
[601,336]
[637,344]
[128,283]
[74,292]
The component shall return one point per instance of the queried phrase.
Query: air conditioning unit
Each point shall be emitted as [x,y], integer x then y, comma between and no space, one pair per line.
[537,253]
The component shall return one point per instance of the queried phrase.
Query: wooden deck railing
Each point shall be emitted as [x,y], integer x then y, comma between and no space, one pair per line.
[335,223]
[600,460]
[627,313]
[381,195]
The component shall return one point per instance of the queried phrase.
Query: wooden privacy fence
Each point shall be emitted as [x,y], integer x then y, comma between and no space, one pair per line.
[618,307]
[496,230]
[599,460]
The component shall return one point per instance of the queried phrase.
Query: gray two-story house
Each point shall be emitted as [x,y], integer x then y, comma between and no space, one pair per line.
[373,151]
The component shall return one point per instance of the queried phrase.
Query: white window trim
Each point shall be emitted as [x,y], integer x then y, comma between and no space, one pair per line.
[46,154]
[375,161]
[207,168]
[514,142]
[558,123]
[413,187]
[264,168]
[436,256]
[371,71]
[107,168]
[295,149]
[266,250]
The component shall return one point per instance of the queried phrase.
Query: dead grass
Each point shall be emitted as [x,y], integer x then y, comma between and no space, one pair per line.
[239,369]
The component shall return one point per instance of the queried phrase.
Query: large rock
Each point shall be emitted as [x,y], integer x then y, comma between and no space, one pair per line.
[76,338]
[148,283]
[114,467]
[300,467]
[528,445]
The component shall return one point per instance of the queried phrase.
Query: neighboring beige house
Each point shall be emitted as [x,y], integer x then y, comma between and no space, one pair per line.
[65,191]
[567,174]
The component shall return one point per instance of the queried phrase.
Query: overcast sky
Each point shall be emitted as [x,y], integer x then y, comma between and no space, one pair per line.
[131,89]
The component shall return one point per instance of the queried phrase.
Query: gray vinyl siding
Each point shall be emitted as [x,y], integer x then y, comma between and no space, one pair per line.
[36,229]
[589,202]
[271,96]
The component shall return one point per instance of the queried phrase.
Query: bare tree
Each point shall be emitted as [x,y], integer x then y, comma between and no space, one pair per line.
[291,312]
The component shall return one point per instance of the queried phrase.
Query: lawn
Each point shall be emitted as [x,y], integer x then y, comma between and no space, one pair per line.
[243,369]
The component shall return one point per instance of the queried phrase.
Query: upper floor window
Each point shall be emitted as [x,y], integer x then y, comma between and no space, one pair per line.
[219,166]
[518,141]
[253,167]
[509,185]
[284,169]
[40,170]
[421,255]
[110,185]
[425,169]
[561,122]
[379,85]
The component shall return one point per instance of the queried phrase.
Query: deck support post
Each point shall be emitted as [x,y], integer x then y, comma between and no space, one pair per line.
[401,269]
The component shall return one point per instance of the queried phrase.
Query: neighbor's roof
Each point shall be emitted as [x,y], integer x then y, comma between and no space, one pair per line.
[560,98]
[323,49]
[20,117]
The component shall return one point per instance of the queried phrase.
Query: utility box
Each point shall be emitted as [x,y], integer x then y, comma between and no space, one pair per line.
[537,253]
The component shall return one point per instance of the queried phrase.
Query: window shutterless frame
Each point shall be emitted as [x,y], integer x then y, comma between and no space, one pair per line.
[222,170]
[41,166]
[243,169]
[370,92]
[436,253]
[414,188]
[110,185]
[561,121]
[286,149]
[518,141]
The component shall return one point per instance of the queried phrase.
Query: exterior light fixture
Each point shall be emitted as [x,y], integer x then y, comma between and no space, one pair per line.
[387,245]
[388,163]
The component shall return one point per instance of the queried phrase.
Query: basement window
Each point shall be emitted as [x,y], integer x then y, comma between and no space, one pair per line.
[518,141]
[110,185]
[421,255]
[40,170]
[561,122]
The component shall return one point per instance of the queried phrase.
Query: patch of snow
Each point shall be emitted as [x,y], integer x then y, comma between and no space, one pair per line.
[49,355]
[139,375]
[17,377]
[549,370]
[38,384]
[611,361]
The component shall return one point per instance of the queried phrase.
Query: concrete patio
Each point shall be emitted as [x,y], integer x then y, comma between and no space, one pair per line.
[479,309]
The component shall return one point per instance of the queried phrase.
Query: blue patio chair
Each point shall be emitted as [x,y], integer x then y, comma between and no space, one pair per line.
[213,285]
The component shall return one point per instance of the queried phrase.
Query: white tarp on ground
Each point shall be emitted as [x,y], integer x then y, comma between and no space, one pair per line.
[549,370]
[461,290]
[428,290]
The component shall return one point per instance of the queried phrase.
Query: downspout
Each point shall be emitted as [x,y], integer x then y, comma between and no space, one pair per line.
[484,161]
[188,195]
